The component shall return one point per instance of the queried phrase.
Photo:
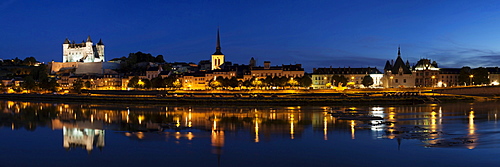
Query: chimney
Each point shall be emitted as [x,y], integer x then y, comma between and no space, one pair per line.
[267,65]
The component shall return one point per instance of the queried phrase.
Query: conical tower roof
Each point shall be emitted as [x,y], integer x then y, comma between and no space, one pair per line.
[100,42]
[88,39]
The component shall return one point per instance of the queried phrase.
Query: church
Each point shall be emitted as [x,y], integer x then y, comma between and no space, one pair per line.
[83,52]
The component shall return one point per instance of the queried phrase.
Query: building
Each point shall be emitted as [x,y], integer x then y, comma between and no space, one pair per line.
[83,52]
[427,73]
[494,75]
[292,70]
[322,78]
[398,74]
[448,77]
[217,57]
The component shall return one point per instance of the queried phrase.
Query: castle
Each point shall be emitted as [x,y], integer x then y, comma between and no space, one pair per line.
[83,52]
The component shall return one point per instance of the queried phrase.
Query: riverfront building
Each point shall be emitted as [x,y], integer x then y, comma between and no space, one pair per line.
[398,74]
[323,78]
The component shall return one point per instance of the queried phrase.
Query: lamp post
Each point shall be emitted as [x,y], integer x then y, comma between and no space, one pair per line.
[432,81]
[471,76]
[390,83]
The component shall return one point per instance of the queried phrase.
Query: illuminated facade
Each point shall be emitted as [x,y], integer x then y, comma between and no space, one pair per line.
[322,78]
[83,52]
[398,74]
[292,70]
[217,57]
[427,74]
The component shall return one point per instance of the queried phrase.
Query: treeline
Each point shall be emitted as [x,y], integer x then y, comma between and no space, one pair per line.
[139,62]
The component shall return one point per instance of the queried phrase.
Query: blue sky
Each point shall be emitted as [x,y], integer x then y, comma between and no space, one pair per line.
[313,33]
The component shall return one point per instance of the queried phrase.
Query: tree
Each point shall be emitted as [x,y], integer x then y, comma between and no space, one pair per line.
[367,81]
[339,80]
[177,83]
[480,76]
[233,82]
[279,81]
[158,82]
[247,83]
[170,80]
[268,81]
[146,83]
[464,76]
[159,59]
[29,83]
[88,84]
[305,81]
[293,82]
[39,73]
[214,83]
[78,85]
[52,85]
[29,61]
[257,82]
[133,82]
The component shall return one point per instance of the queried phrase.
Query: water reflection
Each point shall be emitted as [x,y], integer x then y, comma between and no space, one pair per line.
[83,125]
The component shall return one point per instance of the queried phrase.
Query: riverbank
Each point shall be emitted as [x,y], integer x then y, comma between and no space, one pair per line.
[230,99]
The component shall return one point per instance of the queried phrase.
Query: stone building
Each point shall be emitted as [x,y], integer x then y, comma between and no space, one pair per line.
[83,52]
[322,78]
[397,74]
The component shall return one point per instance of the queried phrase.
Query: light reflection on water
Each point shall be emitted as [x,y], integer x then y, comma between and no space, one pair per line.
[248,136]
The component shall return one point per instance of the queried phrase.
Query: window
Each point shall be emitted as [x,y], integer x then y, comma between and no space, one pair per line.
[404,80]
[396,80]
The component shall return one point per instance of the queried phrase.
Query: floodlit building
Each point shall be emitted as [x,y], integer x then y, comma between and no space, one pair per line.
[83,52]
[292,70]
[427,73]
[397,74]
[217,57]
[322,78]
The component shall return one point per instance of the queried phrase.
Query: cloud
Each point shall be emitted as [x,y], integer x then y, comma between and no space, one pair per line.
[459,57]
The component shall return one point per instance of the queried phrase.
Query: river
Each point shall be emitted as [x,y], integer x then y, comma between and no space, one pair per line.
[78,134]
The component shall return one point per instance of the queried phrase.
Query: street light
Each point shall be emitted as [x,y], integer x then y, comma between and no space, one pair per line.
[432,81]
[390,83]
[471,76]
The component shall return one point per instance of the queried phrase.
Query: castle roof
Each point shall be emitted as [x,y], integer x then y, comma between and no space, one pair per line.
[100,42]
[88,39]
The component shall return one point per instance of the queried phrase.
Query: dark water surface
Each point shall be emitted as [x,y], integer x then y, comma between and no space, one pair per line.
[55,134]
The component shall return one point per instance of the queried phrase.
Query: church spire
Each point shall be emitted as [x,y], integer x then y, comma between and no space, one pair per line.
[217,47]
[399,51]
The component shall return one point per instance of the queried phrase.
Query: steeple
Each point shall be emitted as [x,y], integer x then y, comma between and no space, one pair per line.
[88,39]
[217,47]
[399,51]
[66,41]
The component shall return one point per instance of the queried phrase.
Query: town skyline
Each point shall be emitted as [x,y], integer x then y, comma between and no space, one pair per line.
[321,34]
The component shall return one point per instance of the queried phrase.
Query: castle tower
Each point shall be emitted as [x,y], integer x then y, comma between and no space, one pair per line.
[100,51]
[217,57]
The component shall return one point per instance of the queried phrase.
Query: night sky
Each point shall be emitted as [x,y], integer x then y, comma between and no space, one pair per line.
[313,33]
